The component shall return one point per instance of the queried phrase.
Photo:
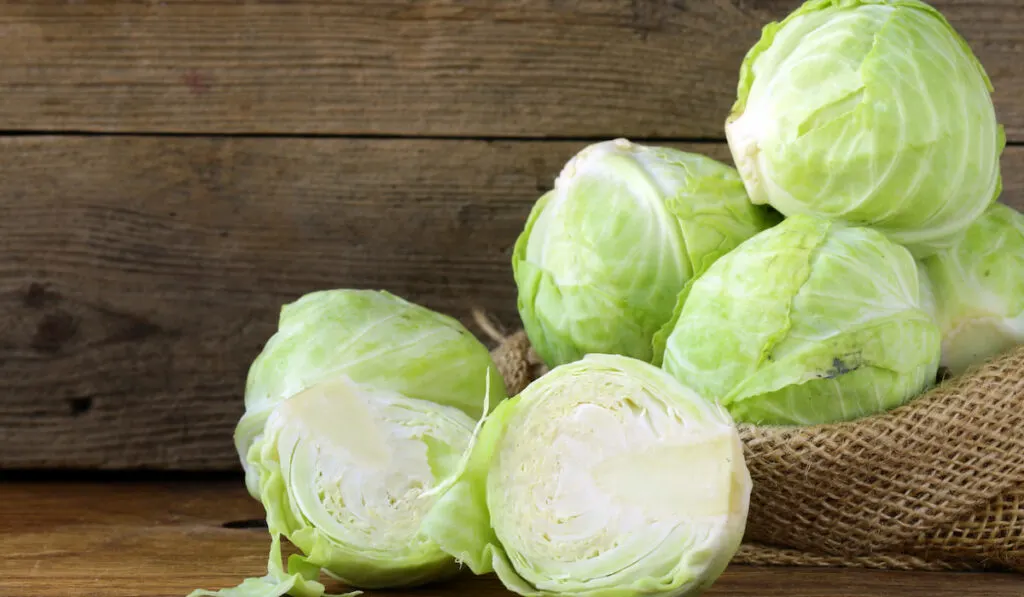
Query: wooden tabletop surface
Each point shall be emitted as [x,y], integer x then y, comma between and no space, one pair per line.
[165,538]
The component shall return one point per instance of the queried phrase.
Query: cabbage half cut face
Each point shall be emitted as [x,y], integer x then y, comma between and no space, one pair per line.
[606,477]
[348,473]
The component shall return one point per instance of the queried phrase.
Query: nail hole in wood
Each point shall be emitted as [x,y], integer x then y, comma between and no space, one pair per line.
[79,406]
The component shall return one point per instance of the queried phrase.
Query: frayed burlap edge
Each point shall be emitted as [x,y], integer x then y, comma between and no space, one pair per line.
[937,484]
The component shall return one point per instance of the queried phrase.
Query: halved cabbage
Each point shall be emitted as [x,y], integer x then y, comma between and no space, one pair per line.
[347,473]
[367,336]
[360,410]
[605,477]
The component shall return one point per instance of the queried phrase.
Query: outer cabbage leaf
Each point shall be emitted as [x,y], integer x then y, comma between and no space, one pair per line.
[873,112]
[604,478]
[810,322]
[979,289]
[367,336]
[604,255]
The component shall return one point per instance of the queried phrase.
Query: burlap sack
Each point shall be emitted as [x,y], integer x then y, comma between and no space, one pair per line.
[937,484]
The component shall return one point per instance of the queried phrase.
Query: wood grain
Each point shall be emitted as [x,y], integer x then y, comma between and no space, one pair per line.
[636,68]
[164,539]
[140,276]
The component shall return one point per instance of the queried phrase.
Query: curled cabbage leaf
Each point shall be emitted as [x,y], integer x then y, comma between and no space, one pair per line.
[605,477]
[809,322]
[370,337]
[874,112]
[979,289]
[604,255]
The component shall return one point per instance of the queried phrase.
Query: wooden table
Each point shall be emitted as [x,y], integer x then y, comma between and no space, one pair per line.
[165,538]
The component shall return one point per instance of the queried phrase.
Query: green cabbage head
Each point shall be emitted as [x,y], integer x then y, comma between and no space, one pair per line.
[604,478]
[809,322]
[979,289]
[360,410]
[605,254]
[874,112]
[370,337]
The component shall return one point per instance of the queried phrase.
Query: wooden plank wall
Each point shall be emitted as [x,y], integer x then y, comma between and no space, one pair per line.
[175,171]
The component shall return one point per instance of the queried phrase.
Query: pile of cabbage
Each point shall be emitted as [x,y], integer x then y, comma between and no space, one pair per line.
[854,255]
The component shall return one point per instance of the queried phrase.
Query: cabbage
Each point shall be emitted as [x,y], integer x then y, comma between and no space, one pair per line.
[359,411]
[979,289]
[605,254]
[809,322]
[604,478]
[347,474]
[367,336]
[873,112]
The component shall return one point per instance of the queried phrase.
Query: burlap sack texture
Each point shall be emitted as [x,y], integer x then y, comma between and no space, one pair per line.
[937,484]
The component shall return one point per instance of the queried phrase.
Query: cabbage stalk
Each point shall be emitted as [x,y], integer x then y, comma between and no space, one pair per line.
[604,478]
[604,255]
[873,112]
[979,289]
[809,322]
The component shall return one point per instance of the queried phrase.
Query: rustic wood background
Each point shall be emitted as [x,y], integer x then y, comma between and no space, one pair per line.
[172,172]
